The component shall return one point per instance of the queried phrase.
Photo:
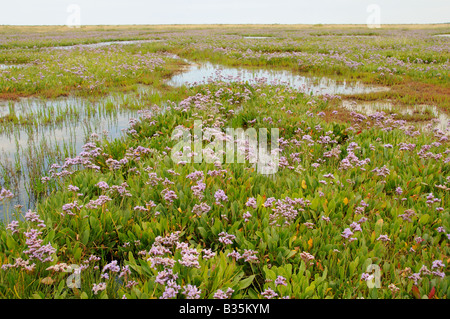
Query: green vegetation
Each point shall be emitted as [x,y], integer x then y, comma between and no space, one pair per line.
[351,190]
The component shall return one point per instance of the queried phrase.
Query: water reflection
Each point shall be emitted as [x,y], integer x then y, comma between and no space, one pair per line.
[23,145]
[102,44]
[208,72]
[425,112]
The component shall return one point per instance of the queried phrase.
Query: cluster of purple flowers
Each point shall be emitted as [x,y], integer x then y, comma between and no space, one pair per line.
[99,202]
[220,196]
[226,238]
[70,207]
[169,195]
[286,210]
[35,248]
[201,208]
[251,202]
[220,294]
[198,190]
[5,194]
[383,171]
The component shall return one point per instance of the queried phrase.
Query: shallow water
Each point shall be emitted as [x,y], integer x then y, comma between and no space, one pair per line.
[20,146]
[208,72]
[102,44]
[258,37]
[440,119]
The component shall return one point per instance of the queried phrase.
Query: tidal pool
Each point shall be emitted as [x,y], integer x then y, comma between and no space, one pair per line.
[258,37]
[208,72]
[28,150]
[102,44]
[431,114]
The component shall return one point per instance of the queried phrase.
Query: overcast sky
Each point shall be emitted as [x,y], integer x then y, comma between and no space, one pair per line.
[95,12]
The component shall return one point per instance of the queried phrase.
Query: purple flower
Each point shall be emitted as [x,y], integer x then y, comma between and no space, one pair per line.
[347,233]
[384,238]
[98,287]
[280,281]
[220,294]
[100,201]
[163,276]
[407,215]
[247,216]
[5,194]
[208,253]
[269,202]
[226,238]
[269,293]
[355,226]
[35,248]
[197,175]
[13,226]
[169,195]
[437,263]
[189,258]
[250,256]
[70,207]
[251,202]
[220,196]
[191,292]
[72,188]
[103,185]
[362,220]
[440,229]
[383,171]
[307,258]
[235,254]
[112,266]
[171,290]
[438,273]
[201,208]
[125,271]
[415,277]
[198,189]
[365,276]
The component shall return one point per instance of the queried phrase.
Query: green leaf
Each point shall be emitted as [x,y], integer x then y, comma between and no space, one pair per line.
[310,290]
[424,219]
[85,236]
[246,282]
[10,242]
[203,232]
[77,254]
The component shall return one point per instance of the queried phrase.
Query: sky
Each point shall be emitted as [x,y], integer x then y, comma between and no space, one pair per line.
[115,12]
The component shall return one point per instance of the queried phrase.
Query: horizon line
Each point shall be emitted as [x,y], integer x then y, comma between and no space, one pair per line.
[180,24]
